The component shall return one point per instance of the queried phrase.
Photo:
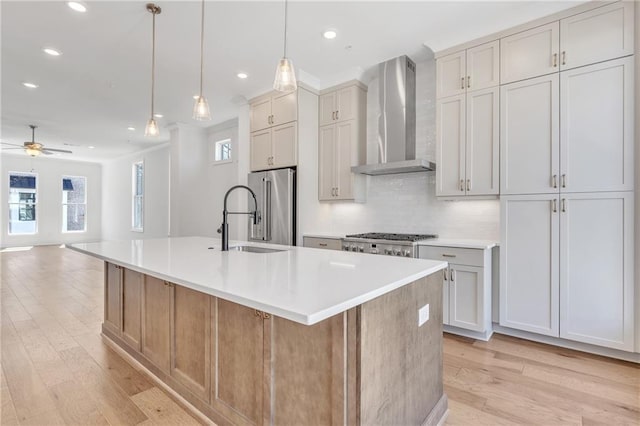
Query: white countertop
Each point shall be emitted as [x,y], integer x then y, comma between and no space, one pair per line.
[459,243]
[301,284]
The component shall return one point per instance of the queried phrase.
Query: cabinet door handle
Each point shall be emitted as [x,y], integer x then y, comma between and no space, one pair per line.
[564,205]
[564,181]
[337,191]
[448,255]
[461,184]
[452,275]
[462,83]
[445,274]
[564,58]
[555,60]
[322,244]
[468,184]
[554,181]
[554,206]
[333,115]
[337,114]
[468,82]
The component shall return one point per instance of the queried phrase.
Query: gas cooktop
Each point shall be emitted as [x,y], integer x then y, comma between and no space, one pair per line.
[393,237]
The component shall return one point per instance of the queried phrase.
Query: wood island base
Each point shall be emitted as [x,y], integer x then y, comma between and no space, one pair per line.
[372,364]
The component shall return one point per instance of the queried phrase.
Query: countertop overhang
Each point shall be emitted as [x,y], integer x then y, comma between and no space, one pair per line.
[304,285]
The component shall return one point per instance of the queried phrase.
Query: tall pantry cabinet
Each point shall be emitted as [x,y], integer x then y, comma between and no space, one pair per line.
[566,178]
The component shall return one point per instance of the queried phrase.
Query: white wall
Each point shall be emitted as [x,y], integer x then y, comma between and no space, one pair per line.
[117,195]
[637,170]
[399,203]
[49,199]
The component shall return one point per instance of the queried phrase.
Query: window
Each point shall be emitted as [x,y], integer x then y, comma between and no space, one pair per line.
[22,203]
[223,151]
[74,204]
[138,197]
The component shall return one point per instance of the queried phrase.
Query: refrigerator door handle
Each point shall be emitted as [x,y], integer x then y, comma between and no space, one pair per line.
[266,209]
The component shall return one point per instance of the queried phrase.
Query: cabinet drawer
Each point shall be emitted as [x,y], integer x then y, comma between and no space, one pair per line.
[323,243]
[460,256]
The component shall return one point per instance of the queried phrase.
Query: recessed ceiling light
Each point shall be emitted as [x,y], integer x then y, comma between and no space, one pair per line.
[131,128]
[52,52]
[77,6]
[330,34]
[158,115]
[242,75]
[30,85]
[91,147]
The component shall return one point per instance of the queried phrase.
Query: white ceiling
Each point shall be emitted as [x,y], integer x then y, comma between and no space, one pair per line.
[101,83]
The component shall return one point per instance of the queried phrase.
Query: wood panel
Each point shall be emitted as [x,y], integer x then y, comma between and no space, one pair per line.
[156,305]
[308,370]
[132,307]
[191,340]
[237,364]
[112,297]
[398,357]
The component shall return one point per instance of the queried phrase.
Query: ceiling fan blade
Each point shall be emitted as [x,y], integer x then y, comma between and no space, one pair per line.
[66,151]
[5,149]
[46,152]
[12,144]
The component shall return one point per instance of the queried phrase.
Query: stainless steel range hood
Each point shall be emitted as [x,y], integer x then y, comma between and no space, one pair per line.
[397,121]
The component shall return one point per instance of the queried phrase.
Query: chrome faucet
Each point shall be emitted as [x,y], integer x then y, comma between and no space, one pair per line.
[224,229]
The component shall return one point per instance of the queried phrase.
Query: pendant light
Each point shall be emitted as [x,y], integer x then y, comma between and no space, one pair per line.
[201,106]
[285,80]
[152,127]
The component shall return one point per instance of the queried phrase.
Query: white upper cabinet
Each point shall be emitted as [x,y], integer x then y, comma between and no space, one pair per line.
[452,75]
[472,69]
[483,66]
[529,136]
[341,105]
[529,263]
[274,110]
[530,53]
[284,145]
[342,144]
[598,35]
[261,150]
[596,274]
[483,145]
[596,110]
[450,147]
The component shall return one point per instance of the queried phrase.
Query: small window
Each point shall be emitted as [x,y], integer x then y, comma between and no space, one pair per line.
[74,204]
[137,219]
[223,151]
[22,203]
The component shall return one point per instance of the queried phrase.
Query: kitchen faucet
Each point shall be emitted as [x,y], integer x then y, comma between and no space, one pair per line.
[224,229]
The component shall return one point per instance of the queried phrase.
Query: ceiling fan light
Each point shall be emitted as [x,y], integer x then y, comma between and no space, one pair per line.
[152,128]
[33,151]
[201,109]
[285,80]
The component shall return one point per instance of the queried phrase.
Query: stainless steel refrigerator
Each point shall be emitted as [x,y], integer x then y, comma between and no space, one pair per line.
[276,196]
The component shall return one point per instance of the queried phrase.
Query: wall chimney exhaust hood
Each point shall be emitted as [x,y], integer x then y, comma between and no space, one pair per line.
[397,121]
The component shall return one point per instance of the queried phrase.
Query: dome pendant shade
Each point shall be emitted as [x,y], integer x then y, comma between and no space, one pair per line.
[201,109]
[285,80]
[152,128]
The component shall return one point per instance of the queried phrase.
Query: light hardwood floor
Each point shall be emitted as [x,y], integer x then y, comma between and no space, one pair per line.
[57,370]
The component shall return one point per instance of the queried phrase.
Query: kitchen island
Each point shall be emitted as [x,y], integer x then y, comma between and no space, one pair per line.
[293,336]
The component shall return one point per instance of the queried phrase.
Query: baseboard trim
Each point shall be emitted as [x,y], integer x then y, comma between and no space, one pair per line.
[563,343]
[468,333]
[439,412]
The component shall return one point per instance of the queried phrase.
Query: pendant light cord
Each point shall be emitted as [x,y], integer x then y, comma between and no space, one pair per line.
[201,47]
[153,60]
[285,28]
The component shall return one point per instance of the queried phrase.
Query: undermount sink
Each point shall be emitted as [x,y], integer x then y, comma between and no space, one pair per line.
[254,249]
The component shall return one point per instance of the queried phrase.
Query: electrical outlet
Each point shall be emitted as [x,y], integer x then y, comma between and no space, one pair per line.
[423,315]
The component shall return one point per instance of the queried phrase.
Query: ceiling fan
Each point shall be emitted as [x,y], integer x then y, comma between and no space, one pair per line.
[34,148]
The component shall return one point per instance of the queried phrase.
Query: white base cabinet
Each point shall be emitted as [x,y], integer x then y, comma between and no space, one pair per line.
[466,295]
[567,266]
